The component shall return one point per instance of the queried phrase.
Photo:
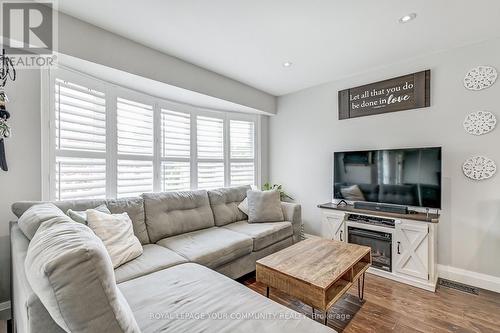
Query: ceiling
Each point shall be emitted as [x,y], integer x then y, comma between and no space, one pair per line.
[248,40]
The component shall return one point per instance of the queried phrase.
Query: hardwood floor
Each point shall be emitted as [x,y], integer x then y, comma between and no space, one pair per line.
[395,307]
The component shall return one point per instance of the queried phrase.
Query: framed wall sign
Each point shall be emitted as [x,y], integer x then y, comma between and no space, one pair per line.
[406,92]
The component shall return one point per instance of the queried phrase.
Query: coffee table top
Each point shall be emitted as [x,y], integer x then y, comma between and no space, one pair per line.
[319,262]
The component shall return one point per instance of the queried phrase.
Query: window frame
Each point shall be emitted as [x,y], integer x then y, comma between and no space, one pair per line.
[112,93]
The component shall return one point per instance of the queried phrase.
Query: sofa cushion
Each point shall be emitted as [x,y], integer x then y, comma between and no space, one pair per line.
[32,218]
[210,247]
[69,269]
[263,234]
[224,203]
[153,259]
[158,300]
[173,213]
[134,207]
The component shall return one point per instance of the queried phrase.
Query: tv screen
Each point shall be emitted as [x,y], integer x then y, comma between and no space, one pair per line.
[409,177]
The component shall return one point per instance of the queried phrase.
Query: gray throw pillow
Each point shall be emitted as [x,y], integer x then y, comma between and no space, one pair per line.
[264,206]
[32,218]
[81,216]
[70,271]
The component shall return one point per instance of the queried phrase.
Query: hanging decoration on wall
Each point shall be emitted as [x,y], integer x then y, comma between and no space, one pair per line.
[479,168]
[7,72]
[480,122]
[480,77]
[407,92]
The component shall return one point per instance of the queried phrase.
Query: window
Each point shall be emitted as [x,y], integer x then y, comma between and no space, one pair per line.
[107,142]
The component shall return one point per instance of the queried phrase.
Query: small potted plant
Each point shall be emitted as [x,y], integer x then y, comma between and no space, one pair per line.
[277,187]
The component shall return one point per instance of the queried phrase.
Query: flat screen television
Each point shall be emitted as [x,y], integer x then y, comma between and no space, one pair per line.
[408,177]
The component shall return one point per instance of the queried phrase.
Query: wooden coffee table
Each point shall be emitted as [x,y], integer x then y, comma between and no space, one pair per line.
[316,271]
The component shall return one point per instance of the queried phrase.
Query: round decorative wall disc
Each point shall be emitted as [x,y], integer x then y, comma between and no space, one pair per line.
[480,77]
[479,168]
[480,122]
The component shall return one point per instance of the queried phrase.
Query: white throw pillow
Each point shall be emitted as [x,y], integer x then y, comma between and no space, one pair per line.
[116,232]
[243,206]
[352,193]
[81,216]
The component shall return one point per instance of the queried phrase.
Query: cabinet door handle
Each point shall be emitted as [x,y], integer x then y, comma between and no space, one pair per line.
[399,243]
[341,231]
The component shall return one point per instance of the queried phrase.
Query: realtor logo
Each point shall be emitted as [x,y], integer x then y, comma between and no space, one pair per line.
[28,32]
[27,27]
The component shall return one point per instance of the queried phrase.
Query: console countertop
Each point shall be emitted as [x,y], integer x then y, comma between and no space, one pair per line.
[416,216]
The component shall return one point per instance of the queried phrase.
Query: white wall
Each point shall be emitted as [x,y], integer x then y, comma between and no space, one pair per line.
[306,131]
[22,181]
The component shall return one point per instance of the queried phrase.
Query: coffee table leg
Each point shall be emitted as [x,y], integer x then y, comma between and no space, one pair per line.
[326,318]
[361,287]
[267,292]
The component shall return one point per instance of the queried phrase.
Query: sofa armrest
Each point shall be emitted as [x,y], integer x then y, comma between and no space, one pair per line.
[293,213]
[29,314]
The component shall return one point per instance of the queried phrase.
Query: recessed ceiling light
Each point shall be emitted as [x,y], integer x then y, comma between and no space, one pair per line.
[407,18]
[287,64]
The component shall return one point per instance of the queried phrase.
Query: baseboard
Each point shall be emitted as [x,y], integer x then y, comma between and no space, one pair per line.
[479,280]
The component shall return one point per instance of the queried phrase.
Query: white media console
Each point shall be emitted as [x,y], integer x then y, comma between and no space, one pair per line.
[406,244]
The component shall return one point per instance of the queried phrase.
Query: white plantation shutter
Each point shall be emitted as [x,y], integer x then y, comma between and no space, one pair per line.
[175,176]
[135,147]
[242,152]
[210,175]
[135,127]
[242,173]
[176,134]
[210,136]
[134,177]
[242,139]
[80,178]
[210,148]
[175,151]
[80,142]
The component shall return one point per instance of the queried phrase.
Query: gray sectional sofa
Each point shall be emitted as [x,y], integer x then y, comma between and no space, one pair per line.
[194,244]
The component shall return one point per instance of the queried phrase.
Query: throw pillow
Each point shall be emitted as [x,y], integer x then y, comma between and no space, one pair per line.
[71,273]
[81,216]
[243,206]
[264,206]
[32,218]
[116,232]
[352,193]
